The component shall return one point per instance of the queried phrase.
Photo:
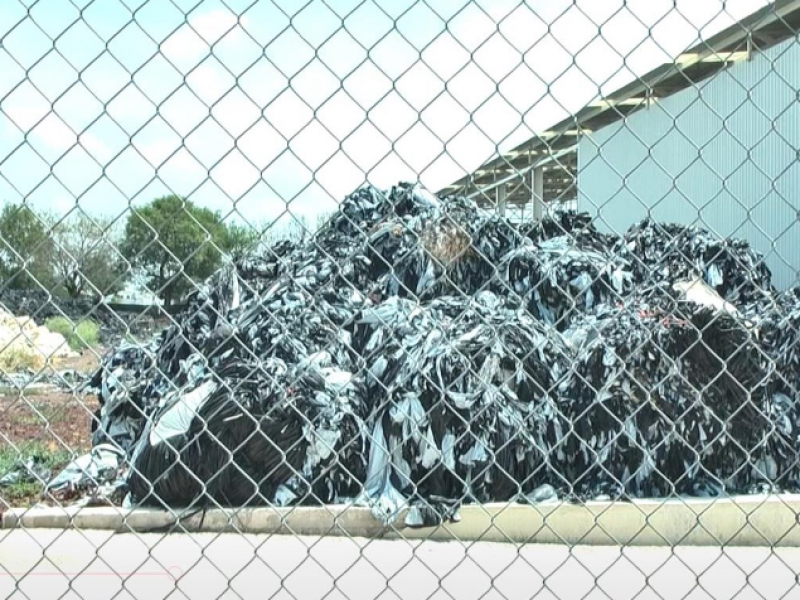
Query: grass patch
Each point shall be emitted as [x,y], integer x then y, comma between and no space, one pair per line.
[83,335]
[26,414]
[14,360]
[50,456]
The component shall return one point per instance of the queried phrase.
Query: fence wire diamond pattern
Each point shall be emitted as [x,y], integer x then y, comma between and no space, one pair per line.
[426,298]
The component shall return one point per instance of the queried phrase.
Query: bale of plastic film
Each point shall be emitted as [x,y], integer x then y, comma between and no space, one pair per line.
[267,434]
[469,410]
[577,226]
[779,328]
[468,254]
[310,446]
[559,280]
[673,252]
[410,251]
[291,324]
[668,400]
[724,360]
[398,264]
[166,468]
[777,464]
[616,373]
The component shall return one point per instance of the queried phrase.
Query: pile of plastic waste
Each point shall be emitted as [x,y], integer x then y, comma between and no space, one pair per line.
[415,353]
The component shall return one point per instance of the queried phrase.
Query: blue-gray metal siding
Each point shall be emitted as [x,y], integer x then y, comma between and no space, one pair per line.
[722,154]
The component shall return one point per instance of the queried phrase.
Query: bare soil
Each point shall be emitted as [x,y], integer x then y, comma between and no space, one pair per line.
[86,362]
[55,423]
[60,419]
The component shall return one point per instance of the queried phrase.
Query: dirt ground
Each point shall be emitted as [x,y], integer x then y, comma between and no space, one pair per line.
[58,419]
[53,424]
[86,362]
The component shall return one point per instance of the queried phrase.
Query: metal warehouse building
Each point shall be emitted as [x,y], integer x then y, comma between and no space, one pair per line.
[712,139]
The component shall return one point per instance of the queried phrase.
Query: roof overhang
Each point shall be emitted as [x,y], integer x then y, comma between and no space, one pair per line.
[765,28]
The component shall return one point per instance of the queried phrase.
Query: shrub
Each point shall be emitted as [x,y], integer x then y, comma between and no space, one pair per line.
[83,335]
[14,359]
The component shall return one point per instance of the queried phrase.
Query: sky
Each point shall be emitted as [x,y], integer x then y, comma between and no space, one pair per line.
[269,108]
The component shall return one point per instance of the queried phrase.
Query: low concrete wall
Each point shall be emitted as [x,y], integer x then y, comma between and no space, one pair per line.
[743,521]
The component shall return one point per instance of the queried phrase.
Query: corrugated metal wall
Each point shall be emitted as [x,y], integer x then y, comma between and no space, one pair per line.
[722,154]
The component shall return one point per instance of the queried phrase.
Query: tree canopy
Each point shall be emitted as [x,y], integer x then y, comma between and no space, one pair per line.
[73,254]
[175,243]
[171,241]
[25,248]
[85,256]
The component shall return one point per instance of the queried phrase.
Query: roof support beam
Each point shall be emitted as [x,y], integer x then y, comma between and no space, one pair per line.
[537,196]
[638,101]
[521,172]
[691,58]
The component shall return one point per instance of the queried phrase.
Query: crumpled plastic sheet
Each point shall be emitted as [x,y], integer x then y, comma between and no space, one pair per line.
[671,400]
[673,252]
[780,333]
[778,320]
[31,470]
[416,354]
[471,421]
[55,379]
[249,432]
[127,385]
[94,478]
[561,280]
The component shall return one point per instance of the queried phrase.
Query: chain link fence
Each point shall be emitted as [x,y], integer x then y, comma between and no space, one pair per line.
[292,290]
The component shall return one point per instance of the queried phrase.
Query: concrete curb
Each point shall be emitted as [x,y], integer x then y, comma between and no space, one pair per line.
[742,521]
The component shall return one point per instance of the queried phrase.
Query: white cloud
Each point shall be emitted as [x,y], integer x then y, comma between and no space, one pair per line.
[157,152]
[25,117]
[52,132]
[235,175]
[60,204]
[194,40]
[94,146]
[634,37]
[176,168]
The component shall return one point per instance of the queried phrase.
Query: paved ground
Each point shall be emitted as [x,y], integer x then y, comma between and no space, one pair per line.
[46,564]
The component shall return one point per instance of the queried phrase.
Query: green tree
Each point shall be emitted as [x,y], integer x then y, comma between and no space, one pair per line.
[25,248]
[294,228]
[241,239]
[85,256]
[175,242]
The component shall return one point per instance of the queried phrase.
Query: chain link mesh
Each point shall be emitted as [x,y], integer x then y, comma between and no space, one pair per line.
[293,290]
